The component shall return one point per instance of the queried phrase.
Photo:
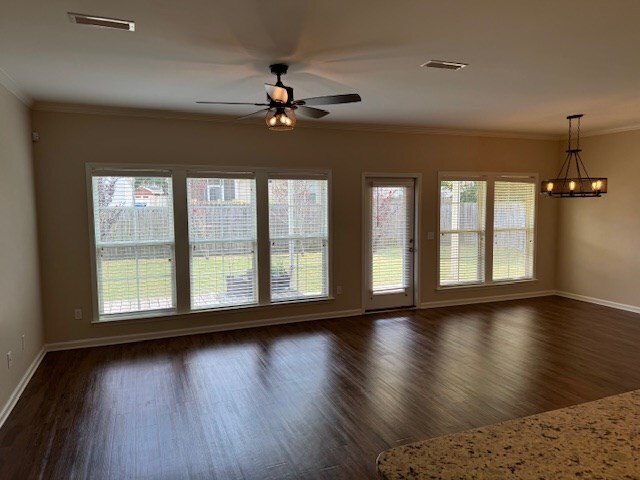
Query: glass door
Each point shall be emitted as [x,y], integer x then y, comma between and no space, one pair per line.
[390,243]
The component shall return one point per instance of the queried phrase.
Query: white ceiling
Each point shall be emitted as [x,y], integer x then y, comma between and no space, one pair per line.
[531,62]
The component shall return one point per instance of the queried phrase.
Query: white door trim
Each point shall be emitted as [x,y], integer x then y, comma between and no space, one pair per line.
[417,236]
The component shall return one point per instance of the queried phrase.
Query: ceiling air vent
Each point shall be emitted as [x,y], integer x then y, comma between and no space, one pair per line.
[444,65]
[103,22]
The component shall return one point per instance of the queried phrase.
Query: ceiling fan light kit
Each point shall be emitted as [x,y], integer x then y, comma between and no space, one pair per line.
[281,109]
[280,119]
[581,185]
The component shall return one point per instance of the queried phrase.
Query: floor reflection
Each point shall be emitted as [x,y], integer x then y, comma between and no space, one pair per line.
[314,400]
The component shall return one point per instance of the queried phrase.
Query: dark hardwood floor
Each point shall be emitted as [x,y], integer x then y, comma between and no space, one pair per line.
[312,400]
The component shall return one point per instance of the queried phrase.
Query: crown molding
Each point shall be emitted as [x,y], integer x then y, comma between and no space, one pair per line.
[127,112]
[609,131]
[206,117]
[10,84]
[419,130]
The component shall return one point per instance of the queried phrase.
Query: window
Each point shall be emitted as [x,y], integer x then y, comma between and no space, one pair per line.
[133,221]
[474,207]
[221,189]
[174,240]
[298,233]
[462,231]
[215,193]
[513,230]
[222,242]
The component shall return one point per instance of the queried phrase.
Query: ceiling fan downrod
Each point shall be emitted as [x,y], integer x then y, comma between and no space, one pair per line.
[279,69]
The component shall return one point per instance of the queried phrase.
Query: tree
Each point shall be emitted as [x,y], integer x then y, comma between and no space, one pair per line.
[386,207]
[108,216]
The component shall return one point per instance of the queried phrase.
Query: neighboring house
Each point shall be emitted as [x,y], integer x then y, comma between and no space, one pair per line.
[224,190]
[150,197]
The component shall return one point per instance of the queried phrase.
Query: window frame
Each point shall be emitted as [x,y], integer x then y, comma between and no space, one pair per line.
[490,178]
[182,288]
[534,183]
[137,172]
[222,177]
[303,176]
[483,234]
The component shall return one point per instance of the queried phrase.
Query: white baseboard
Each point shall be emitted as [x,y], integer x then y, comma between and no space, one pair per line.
[600,301]
[24,381]
[139,337]
[493,298]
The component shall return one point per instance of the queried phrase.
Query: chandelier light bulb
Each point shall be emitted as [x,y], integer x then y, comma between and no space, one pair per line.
[572,185]
[550,187]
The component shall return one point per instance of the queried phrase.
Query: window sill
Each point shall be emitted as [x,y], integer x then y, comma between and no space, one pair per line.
[157,315]
[485,285]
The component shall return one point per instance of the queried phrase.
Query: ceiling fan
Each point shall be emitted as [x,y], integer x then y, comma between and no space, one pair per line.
[282,108]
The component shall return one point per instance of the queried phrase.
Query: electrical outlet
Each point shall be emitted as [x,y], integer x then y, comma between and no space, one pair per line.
[339,289]
[77,314]
[9,359]
[23,342]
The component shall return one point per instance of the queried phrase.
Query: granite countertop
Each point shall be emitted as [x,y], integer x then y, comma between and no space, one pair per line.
[595,440]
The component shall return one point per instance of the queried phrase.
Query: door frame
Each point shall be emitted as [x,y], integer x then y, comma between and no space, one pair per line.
[417,227]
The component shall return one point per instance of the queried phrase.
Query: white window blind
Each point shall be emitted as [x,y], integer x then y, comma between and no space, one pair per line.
[462,231]
[513,230]
[298,233]
[391,238]
[134,240]
[222,241]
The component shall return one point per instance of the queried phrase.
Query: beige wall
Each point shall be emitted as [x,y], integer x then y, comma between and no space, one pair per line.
[69,140]
[598,238]
[19,278]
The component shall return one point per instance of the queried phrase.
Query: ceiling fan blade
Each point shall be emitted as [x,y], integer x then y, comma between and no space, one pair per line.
[330,99]
[277,94]
[311,112]
[234,103]
[252,114]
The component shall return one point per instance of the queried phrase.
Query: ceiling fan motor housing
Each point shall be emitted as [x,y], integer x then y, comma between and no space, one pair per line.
[280,69]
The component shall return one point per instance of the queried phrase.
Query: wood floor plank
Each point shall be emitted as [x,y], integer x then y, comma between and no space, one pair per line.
[316,400]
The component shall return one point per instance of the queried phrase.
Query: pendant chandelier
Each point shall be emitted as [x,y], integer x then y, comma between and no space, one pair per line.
[580,185]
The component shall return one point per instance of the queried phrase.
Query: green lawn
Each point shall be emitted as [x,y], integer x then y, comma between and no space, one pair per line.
[119,276]
[516,266]
[208,274]
[468,264]
[387,269]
